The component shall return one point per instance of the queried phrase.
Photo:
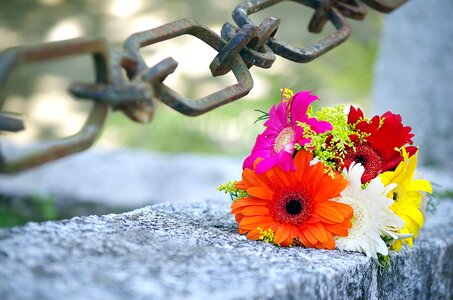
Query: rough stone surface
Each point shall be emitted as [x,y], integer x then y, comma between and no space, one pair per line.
[192,251]
[414,74]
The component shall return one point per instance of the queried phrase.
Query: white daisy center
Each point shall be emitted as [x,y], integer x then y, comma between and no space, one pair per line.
[360,221]
[285,137]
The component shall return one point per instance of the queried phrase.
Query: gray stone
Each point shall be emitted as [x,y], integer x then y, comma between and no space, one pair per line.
[192,251]
[414,74]
[122,180]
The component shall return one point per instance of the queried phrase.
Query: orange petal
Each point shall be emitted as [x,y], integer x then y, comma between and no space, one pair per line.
[254,234]
[254,210]
[294,233]
[248,201]
[292,178]
[310,237]
[328,212]
[318,231]
[260,225]
[344,209]
[238,218]
[302,162]
[260,192]
[346,225]
[255,220]
[274,225]
[248,177]
[318,218]
[238,206]
[286,243]
[340,183]
[282,233]
[241,185]
[242,230]
[282,176]
[313,174]
[330,242]
[336,229]
[304,240]
[272,176]
[319,245]
[331,187]
[254,179]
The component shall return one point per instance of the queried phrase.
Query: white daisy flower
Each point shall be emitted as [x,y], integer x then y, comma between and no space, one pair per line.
[372,214]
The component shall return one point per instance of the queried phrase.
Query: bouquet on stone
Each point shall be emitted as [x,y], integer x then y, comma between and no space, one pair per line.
[328,179]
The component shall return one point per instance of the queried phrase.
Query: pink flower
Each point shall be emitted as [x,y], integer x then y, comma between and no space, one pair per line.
[276,144]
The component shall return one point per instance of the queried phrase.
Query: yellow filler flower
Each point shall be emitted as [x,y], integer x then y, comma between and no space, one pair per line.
[407,196]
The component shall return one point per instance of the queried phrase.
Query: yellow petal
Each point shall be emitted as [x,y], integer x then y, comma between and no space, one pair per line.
[397,246]
[415,214]
[411,225]
[420,185]
[411,198]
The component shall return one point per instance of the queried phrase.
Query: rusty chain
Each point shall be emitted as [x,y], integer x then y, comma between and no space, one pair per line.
[239,47]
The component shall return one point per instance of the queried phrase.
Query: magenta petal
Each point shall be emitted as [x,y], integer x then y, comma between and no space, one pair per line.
[272,132]
[299,105]
[263,148]
[282,113]
[248,162]
[319,126]
[278,117]
[298,133]
[286,162]
[272,116]
[264,142]
[303,141]
[266,164]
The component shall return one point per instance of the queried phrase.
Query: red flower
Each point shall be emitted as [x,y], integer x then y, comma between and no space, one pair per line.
[379,150]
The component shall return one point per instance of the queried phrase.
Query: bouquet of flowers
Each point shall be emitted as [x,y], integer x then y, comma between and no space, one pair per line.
[328,179]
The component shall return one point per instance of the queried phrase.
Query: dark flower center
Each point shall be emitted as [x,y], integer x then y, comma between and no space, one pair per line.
[291,206]
[367,157]
[360,160]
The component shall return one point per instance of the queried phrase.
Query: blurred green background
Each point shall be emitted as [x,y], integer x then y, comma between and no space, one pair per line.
[37,91]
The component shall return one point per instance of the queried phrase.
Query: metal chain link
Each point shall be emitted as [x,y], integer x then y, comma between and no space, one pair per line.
[239,47]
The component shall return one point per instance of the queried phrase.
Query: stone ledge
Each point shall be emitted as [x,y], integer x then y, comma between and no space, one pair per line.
[193,251]
[105,181]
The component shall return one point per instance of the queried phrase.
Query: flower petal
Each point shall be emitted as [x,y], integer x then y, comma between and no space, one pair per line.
[309,236]
[255,220]
[248,201]
[282,233]
[255,211]
[420,185]
[318,232]
[253,234]
[260,192]
[329,212]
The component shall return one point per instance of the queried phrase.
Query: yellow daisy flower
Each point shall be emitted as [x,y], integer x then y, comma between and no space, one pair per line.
[408,197]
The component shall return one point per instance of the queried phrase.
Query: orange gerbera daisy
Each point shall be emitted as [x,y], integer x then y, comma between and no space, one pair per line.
[294,205]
